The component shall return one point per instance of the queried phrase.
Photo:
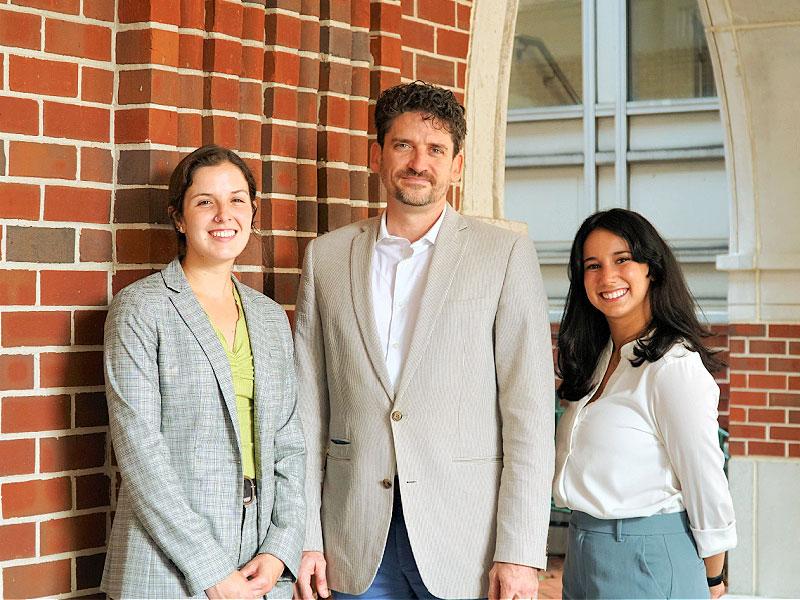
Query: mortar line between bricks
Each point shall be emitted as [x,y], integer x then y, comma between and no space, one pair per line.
[347,201]
[53,347]
[435,25]
[349,97]
[26,477]
[441,57]
[18,562]
[289,13]
[77,266]
[48,224]
[57,16]
[384,69]
[83,592]
[184,71]
[59,58]
[387,34]
[331,23]
[298,88]
[57,141]
[340,166]
[205,112]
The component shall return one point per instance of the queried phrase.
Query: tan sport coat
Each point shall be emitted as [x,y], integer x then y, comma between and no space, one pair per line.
[468,429]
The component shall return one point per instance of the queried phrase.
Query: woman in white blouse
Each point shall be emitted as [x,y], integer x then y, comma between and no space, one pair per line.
[638,458]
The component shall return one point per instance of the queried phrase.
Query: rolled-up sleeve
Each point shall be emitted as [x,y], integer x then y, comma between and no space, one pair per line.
[685,403]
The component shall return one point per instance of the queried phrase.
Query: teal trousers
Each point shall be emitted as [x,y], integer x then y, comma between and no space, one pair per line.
[645,557]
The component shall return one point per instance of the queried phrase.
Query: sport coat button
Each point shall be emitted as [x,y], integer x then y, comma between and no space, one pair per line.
[397,415]
[387,483]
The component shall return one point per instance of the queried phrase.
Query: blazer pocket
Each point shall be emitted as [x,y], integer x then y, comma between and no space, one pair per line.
[339,448]
[479,459]
[471,304]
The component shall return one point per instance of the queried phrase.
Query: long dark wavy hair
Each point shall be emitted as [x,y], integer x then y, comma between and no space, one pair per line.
[584,330]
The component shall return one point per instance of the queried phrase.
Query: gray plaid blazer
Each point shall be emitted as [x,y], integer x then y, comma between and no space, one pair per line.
[468,428]
[175,431]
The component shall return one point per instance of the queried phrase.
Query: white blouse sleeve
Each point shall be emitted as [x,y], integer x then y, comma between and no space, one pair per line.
[685,399]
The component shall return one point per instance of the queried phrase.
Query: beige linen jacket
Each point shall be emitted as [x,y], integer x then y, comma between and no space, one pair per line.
[468,429]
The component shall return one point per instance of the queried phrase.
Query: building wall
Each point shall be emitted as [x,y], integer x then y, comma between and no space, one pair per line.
[754,50]
[99,99]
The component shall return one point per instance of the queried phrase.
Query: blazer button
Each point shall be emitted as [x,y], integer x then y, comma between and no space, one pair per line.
[397,415]
[387,483]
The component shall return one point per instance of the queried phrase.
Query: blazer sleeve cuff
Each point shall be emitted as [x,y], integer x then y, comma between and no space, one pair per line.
[206,575]
[530,557]
[286,545]
[713,541]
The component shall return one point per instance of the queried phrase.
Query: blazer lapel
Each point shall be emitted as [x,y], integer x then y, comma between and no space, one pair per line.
[447,253]
[197,321]
[361,290]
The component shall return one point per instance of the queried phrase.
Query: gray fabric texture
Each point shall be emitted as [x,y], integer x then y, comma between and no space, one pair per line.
[175,432]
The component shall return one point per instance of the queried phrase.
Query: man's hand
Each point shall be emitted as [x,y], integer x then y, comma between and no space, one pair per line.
[508,581]
[262,572]
[311,577]
[234,585]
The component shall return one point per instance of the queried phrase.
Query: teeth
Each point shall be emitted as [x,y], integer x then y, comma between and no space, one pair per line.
[613,295]
[223,234]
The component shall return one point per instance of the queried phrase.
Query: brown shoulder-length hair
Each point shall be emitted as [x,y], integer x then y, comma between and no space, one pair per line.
[181,179]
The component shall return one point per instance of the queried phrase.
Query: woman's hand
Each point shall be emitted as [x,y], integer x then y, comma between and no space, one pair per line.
[234,585]
[718,591]
[262,573]
[714,566]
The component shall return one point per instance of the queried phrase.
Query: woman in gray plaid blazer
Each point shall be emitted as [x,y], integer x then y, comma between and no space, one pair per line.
[189,523]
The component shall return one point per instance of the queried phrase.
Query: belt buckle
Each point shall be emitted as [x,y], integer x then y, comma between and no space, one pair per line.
[249,491]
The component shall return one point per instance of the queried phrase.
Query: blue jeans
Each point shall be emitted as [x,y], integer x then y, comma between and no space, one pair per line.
[398,576]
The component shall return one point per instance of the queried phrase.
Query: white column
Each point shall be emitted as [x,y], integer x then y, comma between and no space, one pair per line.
[755,48]
[488,72]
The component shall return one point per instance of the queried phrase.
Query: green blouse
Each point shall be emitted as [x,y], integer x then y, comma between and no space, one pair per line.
[241,361]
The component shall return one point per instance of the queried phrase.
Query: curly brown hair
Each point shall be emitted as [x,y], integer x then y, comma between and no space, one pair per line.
[435,103]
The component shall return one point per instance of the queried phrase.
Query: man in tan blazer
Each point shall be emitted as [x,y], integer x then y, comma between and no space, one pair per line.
[425,384]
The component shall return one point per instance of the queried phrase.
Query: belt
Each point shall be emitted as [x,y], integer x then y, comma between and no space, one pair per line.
[249,491]
[662,524]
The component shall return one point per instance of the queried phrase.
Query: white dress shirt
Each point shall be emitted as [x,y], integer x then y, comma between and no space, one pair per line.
[399,272]
[648,445]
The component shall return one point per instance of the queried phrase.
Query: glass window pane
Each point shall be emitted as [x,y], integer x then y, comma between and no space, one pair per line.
[668,52]
[546,61]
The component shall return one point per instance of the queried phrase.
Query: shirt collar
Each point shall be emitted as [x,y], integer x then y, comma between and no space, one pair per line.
[429,237]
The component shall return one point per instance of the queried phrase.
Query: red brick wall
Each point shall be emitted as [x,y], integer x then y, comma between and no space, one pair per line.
[765,389]
[99,99]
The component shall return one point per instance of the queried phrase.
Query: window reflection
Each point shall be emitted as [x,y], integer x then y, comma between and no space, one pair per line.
[546,61]
[668,52]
